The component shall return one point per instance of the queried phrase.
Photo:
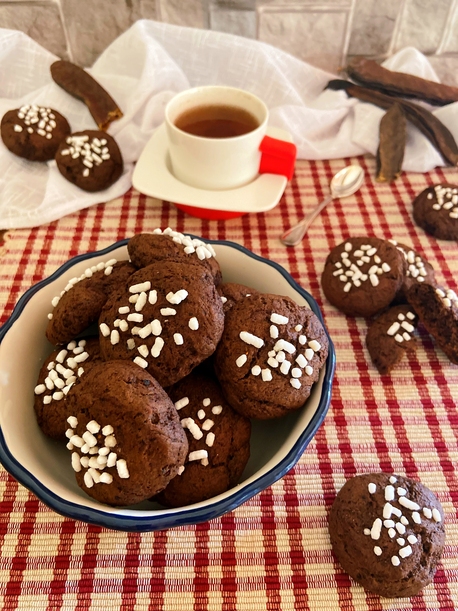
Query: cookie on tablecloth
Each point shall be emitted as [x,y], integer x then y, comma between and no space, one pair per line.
[124,434]
[388,533]
[219,442]
[82,300]
[418,270]
[390,336]
[90,159]
[362,275]
[436,211]
[231,292]
[168,320]
[169,245]
[57,375]
[270,355]
[34,132]
[437,308]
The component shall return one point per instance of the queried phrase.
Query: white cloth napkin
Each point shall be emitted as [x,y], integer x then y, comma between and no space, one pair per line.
[146,66]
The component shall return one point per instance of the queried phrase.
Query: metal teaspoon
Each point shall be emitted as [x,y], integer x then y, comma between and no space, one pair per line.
[344,183]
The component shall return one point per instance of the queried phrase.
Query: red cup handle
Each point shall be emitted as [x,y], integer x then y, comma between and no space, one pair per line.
[277,157]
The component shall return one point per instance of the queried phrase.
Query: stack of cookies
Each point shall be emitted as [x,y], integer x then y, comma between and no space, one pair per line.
[156,401]
[394,287]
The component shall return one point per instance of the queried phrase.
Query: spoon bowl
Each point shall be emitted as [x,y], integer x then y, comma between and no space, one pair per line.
[346,182]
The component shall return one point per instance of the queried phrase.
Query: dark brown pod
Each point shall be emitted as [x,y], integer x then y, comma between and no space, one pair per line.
[369,73]
[80,84]
[436,132]
[392,142]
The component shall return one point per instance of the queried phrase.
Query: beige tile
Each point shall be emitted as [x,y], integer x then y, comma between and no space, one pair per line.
[422,24]
[41,22]
[235,4]
[92,26]
[446,69]
[372,27]
[240,22]
[450,41]
[318,37]
[191,13]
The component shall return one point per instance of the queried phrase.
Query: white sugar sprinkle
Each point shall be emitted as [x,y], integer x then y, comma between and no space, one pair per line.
[278,319]
[266,375]
[242,359]
[141,362]
[157,347]
[408,504]
[193,323]
[251,339]
[168,311]
[376,529]
[182,403]
[273,332]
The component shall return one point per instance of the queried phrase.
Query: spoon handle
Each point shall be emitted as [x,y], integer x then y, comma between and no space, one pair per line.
[294,234]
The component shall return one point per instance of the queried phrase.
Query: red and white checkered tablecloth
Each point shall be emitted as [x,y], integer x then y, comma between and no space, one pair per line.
[272,552]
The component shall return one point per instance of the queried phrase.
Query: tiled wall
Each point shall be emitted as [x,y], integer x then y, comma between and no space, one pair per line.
[323,33]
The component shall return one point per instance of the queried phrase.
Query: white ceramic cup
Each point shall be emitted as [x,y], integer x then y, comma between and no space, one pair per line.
[215,163]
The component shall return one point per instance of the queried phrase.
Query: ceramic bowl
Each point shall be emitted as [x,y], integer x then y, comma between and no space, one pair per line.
[43,465]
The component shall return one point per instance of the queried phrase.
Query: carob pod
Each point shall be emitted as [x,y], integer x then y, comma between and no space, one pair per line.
[390,153]
[436,132]
[80,84]
[369,73]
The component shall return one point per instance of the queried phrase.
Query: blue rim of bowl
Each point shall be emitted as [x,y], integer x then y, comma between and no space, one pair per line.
[190,514]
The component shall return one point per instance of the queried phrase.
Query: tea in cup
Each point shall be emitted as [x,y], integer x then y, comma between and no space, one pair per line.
[217,138]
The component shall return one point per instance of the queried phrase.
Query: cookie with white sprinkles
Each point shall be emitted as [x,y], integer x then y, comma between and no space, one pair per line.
[231,292]
[170,245]
[435,210]
[168,320]
[90,159]
[80,302]
[270,355]
[387,531]
[219,442]
[34,132]
[418,270]
[437,308]
[390,336]
[124,434]
[57,375]
[362,275]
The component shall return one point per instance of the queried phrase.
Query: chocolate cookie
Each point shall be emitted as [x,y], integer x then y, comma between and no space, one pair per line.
[437,308]
[219,442]
[418,270]
[168,320]
[82,300]
[90,159]
[34,132]
[390,336]
[388,533]
[231,292]
[436,211]
[57,375]
[169,245]
[124,433]
[362,276]
[270,355]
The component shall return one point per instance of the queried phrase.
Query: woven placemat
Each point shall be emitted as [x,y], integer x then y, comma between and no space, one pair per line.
[273,552]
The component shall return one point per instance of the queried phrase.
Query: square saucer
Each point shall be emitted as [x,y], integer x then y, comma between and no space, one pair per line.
[153,176]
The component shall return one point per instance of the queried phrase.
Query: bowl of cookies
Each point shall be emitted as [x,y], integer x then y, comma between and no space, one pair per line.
[162,381]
